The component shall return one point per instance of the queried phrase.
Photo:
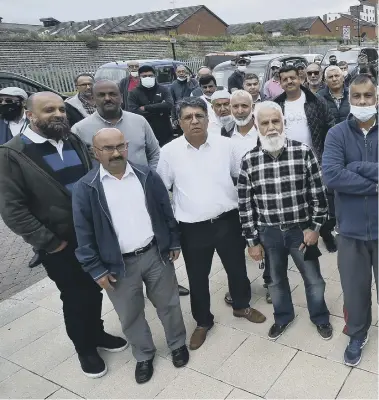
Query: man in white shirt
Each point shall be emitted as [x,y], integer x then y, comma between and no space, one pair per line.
[128,236]
[198,167]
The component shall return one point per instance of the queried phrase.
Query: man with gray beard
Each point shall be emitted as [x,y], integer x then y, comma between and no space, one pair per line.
[282,205]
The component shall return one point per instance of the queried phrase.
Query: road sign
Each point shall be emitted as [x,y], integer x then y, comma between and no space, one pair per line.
[346,32]
[173,40]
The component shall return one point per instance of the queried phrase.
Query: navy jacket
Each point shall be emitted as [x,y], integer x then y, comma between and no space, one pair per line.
[341,113]
[98,248]
[350,167]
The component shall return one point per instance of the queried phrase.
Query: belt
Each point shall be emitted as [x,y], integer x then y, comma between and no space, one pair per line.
[222,216]
[140,251]
[287,227]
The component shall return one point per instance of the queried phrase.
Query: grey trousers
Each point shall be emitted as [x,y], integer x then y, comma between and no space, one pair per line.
[357,260]
[162,291]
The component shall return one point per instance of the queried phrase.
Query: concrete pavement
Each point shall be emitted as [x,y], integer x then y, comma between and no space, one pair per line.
[237,361]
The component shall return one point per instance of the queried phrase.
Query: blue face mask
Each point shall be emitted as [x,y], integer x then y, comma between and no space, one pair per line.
[363,114]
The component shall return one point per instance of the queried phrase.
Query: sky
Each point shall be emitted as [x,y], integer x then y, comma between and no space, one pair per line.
[231,11]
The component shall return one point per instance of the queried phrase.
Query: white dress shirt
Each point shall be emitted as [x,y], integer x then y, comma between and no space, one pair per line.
[241,145]
[16,127]
[127,206]
[36,138]
[201,178]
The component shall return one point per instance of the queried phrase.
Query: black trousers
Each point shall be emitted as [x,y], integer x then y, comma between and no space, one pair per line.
[199,242]
[81,297]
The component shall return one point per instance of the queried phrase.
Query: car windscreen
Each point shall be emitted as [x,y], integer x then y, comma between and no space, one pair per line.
[113,74]
[350,56]
[222,73]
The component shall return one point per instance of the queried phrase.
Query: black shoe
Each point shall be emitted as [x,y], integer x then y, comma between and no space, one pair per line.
[268,297]
[93,365]
[180,357]
[183,291]
[330,243]
[277,330]
[35,261]
[325,331]
[111,343]
[144,371]
[228,299]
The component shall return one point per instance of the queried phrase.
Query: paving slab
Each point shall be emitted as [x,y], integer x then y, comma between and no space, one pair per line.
[7,369]
[360,384]
[242,394]
[12,309]
[64,394]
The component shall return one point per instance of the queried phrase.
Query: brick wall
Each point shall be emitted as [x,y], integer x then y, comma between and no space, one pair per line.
[202,23]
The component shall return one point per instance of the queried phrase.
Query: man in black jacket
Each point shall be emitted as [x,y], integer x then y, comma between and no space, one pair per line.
[38,170]
[336,94]
[308,120]
[154,102]
[235,81]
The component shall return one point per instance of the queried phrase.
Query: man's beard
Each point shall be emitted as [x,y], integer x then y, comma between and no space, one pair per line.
[272,143]
[245,121]
[226,121]
[55,128]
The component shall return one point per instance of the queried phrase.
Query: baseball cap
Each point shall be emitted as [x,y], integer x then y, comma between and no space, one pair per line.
[276,64]
[14,91]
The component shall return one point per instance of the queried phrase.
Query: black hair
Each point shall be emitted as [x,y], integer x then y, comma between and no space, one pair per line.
[361,79]
[146,68]
[250,76]
[204,80]
[194,102]
[369,70]
[288,68]
[83,74]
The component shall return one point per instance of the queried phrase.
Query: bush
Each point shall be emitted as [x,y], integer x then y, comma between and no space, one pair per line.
[91,41]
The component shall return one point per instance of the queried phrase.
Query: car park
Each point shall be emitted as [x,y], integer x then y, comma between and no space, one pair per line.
[311,57]
[216,58]
[259,65]
[117,70]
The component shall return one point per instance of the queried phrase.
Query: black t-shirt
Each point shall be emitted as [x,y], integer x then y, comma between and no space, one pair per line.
[235,80]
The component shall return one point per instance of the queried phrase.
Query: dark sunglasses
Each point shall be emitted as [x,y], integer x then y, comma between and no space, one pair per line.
[8,101]
[315,73]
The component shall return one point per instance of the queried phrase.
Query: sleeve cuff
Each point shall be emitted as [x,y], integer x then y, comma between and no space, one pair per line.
[251,242]
[98,273]
[315,227]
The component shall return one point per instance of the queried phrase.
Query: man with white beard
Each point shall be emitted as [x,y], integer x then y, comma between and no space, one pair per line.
[282,205]
[222,123]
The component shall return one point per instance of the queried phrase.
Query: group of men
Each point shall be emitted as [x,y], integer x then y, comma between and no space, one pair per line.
[246,173]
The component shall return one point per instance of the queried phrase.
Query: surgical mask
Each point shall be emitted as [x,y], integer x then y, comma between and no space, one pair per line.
[181,78]
[148,81]
[10,112]
[134,74]
[241,68]
[363,114]
[344,73]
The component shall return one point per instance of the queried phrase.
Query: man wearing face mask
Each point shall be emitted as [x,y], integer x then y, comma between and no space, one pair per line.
[235,81]
[129,83]
[350,167]
[272,87]
[39,168]
[154,102]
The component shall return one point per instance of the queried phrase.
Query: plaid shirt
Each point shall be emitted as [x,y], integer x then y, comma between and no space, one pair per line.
[283,190]
[87,106]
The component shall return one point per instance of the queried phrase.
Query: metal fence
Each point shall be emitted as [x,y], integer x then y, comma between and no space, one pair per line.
[62,78]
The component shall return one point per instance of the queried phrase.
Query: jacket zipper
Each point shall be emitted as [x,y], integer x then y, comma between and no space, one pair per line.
[110,221]
[366,198]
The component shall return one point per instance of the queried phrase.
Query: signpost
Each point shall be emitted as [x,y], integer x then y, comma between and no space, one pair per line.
[173,41]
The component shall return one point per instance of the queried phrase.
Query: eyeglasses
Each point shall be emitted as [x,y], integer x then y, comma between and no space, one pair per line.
[110,149]
[189,118]
[315,73]
[8,101]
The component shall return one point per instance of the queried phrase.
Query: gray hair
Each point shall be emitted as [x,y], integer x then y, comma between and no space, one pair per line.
[193,102]
[243,93]
[271,105]
[330,68]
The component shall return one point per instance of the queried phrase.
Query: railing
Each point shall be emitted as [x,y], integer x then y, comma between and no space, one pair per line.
[62,78]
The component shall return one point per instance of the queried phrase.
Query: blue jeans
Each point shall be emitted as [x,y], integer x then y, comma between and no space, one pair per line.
[278,245]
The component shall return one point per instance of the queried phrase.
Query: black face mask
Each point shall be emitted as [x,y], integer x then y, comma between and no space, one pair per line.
[10,112]
[333,62]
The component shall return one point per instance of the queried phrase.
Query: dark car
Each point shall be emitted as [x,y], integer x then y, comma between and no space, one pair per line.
[350,55]
[260,65]
[30,86]
[216,58]
[117,70]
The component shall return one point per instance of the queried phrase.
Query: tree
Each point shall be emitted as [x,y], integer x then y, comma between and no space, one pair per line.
[289,30]
[257,29]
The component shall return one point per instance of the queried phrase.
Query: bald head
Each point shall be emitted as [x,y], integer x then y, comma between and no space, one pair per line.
[105,134]
[108,100]
[204,71]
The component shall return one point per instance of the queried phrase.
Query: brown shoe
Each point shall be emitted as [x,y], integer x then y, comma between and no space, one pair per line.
[251,314]
[198,337]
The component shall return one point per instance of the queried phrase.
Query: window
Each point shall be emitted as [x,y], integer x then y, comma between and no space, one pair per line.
[171,18]
[165,74]
[57,31]
[337,28]
[83,29]
[98,27]
[136,21]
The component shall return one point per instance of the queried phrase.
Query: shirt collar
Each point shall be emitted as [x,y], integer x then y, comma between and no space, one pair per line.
[250,133]
[105,173]
[38,139]
[107,122]
[188,145]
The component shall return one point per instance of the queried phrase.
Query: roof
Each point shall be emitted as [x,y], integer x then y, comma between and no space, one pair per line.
[300,24]
[148,21]
[240,29]
[17,28]
[354,19]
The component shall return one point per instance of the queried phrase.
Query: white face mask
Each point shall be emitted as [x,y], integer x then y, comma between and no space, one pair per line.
[243,122]
[134,74]
[363,114]
[182,78]
[241,68]
[148,81]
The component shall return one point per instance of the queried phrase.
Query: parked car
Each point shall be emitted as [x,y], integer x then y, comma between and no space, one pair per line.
[216,58]
[30,86]
[260,65]
[117,70]
[350,55]
[312,56]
